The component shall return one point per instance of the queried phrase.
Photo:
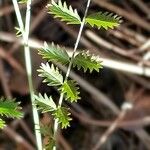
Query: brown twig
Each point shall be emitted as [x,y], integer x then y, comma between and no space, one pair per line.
[15,136]
[108,132]
[4,82]
[14,63]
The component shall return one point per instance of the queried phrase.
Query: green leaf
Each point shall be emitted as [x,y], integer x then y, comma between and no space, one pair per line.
[70,89]
[54,53]
[65,13]
[2,123]
[44,103]
[86,61]
[105,20]
[63,116]
[47,131]
[18,32]
[10,108]
[50,144]
[22,1]
[51,75]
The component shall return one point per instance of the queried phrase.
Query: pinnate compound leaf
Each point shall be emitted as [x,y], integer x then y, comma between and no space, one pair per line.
[54,53]
[65,13]
[86,61]
[105,20]
[44,103]
[51,75]
[10,108]
[63,116]
[70,89]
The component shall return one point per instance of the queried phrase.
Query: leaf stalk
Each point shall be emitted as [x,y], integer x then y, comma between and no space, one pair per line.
[70,65]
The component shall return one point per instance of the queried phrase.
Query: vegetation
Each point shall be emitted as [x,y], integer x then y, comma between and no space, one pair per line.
[9,108]
[68,88]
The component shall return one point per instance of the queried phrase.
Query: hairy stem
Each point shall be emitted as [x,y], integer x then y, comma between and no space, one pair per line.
[70,64]
[25,34]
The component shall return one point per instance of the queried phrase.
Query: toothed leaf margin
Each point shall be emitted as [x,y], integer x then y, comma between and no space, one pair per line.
[86,61]
[64,12]
[63,116]
[54,53]
[10,108]
[51,75]
[70,89]
[44,103]
[105,20]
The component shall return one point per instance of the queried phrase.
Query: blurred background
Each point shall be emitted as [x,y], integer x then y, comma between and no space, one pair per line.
[122,83]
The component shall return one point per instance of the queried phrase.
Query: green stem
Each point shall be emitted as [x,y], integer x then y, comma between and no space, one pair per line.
[25,34]
[70,65]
